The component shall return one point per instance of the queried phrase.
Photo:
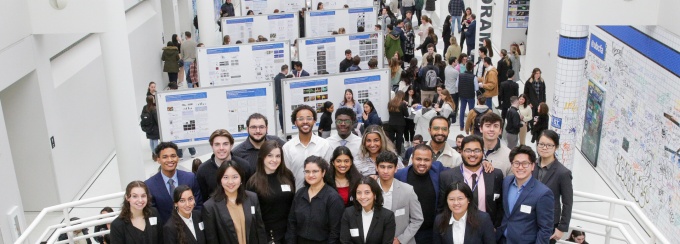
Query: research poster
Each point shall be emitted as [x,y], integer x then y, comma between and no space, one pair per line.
[274,27]
[241,104]
[247,63]
[518,14]
[322,55]
[268,6]
[187,116]
[361,17]
[339,4]
[323,22]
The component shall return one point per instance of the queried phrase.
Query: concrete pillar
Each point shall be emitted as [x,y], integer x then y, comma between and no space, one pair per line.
[207,27]
[569,82]
[120,86]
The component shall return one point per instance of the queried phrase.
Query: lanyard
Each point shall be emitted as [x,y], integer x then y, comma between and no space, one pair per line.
[465,179]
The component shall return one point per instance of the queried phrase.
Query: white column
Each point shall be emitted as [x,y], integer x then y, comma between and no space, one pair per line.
[119,83]
[207,27]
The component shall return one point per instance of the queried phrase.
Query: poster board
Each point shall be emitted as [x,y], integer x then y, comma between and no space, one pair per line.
[268,6]
[339,4]
[592,125]
[518,14]
[325,53]
[316,90]
[240,64]
[274,27]
[324,22]
[188,117]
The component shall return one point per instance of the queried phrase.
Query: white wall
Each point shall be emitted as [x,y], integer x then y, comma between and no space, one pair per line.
[15,22]
[10,190]
[668,15]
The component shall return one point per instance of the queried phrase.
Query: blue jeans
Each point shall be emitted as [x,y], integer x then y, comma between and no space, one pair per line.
[456,19]
[489,103]
[187,66]
[153,143]
[470,102]
[180,152]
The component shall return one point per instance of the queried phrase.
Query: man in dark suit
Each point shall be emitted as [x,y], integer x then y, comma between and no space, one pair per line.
[471,35]
[508,88]
[528,203]
[486,187]
[297,69]
[221,142]
[163,184]
[277,90]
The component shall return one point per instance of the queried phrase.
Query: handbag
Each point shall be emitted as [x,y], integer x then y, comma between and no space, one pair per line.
[180,62]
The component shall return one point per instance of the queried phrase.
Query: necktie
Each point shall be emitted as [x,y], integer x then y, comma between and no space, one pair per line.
[343,142]
[474,186]
[171,184]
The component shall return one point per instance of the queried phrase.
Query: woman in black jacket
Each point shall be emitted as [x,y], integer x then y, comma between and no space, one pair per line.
[430,39]
[368,200]
[462,210]
[98,228]
[397,123]
[534,88]
[176,230]
[446,33]
[152,131]
[138,221]
[540,122]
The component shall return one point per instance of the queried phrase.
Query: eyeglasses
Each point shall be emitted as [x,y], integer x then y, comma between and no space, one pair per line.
[261,127]
[458,200]
[312,172]
[543,145]
[523,164]
[440,128]
[472,151]
[303,119]
[343,121]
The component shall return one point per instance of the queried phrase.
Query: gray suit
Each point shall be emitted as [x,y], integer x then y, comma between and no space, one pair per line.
[558,179]
[410,218]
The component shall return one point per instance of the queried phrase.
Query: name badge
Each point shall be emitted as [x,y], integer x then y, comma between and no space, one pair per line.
[200,226]
[285,188]
[496,196]
[252,209]
[354,232]
[525,209]
[399,212]
[153,221]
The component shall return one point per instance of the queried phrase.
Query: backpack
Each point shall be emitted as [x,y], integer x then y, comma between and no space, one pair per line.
[477,123]
[431,79]
[147,122]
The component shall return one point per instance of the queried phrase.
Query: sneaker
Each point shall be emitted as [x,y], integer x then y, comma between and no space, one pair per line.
[193,156]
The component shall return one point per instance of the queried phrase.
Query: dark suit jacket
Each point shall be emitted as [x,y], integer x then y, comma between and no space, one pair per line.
[304,73]
[162,199]
[219,226]
[483,235]
[533,227]
[381,230]
[123,231]
[170,230]
[493,184]
[471,32]
[558,179]
[508,89]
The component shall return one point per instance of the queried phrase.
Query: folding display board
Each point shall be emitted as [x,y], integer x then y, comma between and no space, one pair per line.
[188,117]
[245,63]
[268,6]
[274,27]
[338,4]
[325,53]
[373,85]
[324,22]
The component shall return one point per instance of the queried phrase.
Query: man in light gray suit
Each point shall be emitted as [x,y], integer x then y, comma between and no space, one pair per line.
[400,198]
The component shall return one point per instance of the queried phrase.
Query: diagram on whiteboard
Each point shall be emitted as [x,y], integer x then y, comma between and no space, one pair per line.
[188,117]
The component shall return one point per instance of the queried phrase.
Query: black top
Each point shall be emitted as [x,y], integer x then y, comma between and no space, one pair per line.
[483,234]
[541,124]
[207,178]
[154,133]
[123,232]
[170,230]
[399,118]
[508,88]
[318,220]
[325,122]
[98,228]
[247,151]
[344,65]
[275,207]
[466,85]
[277,88]
[514,123]
[423,46]
[503,68]
[422,185]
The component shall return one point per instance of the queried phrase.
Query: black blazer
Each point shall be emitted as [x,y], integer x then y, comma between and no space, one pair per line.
[493,184]
[381,230]
[170,230]
[508,88]
[219,227]
[483,235]
[558,179]
[123,231]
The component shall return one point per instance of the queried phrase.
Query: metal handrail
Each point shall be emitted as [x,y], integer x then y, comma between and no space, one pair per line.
[82,220]
[602,216]
[81,226]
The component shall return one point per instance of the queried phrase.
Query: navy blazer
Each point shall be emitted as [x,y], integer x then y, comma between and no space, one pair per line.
[483,235]
[219,226]
[304,73]
[170,230]
[381,230]
[535,226]
[493,185]
[435,170]
[162,199]
[471,32]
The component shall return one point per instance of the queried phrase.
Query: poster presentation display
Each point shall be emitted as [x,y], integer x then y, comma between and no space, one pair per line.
[239,64]
[339,4]
[592,125]
[518,14]
[274,27]
[324,54]
[268,6]
[316,90]
[188,117]
[324,22]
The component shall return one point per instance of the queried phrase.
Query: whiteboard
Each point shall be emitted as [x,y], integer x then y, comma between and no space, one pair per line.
[239,64]
[324,22]
[274,27]
[338,4]
[326,53]
[188,117]
[316,90]
[268,6]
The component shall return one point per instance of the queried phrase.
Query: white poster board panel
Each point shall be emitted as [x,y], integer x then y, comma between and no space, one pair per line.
[188,117]
[338,4]
[274,27]
[324,22]
[325,53]
[268,6]
[239,64]
[314,91]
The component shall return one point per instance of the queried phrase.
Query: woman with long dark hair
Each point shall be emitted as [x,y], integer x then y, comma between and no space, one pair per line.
[446,33]
[397,123]
[151,90]
[152,133]
[184,226]
[367,222]
[411,98]
[503,65]
[348,101]
[541,121]
[370,115]
[232,214]
[464,27]
[535,88]
[138,221]
[275,188]
[343,174]
[461,221]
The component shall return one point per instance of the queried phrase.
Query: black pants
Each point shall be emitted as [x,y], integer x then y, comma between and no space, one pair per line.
[456,100]
[419,12]
[504,113]
[396,135]
[407,58]
[424,236]
[172,76]
[410,130]
[462,39]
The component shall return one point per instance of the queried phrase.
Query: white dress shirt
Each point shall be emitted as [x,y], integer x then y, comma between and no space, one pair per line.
[190,223]
[295,153]
[458,228]
[353,143]
[387,196]
[366,218]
